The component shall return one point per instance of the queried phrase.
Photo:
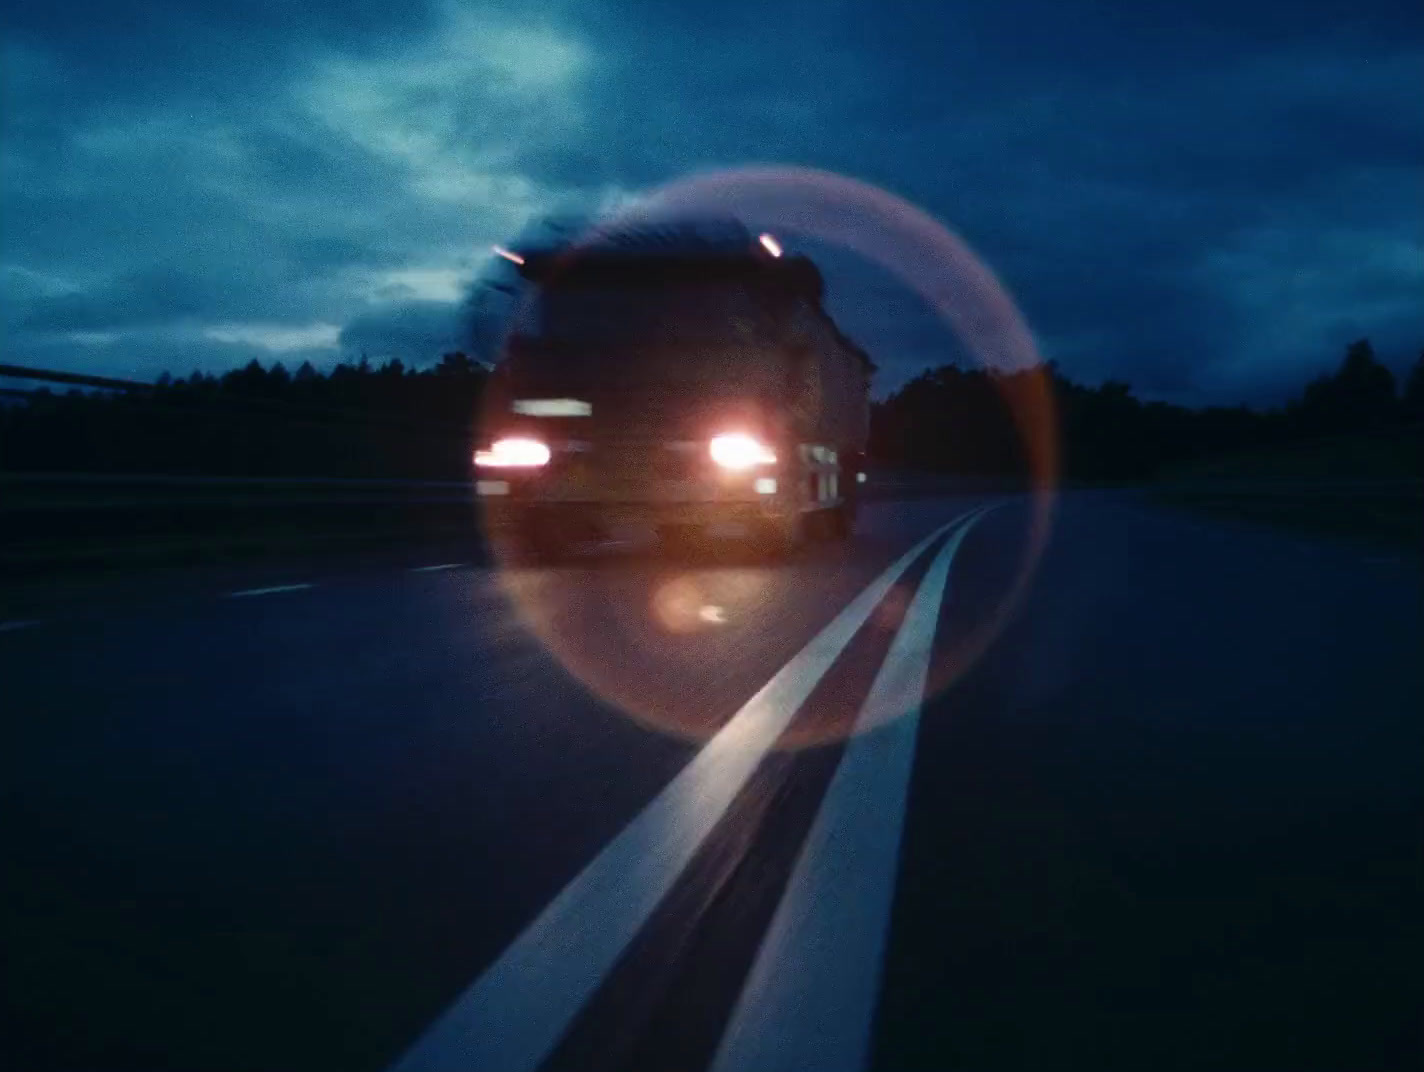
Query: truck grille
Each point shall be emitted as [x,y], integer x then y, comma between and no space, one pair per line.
[632,469]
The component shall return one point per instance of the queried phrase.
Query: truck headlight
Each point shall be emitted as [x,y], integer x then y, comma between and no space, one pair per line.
[740,451]
[515,452]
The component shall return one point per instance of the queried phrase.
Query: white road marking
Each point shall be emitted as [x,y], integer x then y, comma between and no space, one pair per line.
[514,1014]
[18,623]
[270,590]
[436,569]
[810,996]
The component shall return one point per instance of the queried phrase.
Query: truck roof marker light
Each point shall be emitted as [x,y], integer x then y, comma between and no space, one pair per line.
[507,254]
[770,244]
[514,452]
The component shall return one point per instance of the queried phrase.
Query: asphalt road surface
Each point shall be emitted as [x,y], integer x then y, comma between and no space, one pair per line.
[419,814]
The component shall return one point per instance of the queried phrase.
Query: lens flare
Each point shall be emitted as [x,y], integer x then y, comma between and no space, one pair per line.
[513,453]
[640,656]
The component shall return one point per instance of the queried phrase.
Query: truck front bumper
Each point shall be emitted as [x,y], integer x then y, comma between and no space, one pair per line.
[606,514]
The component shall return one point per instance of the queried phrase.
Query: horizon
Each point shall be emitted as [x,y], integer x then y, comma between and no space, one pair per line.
[363,362]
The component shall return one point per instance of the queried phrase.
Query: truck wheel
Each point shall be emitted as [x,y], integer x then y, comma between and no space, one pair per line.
[840,522]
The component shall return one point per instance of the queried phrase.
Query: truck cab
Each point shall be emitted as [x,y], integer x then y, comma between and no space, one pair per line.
[676,388]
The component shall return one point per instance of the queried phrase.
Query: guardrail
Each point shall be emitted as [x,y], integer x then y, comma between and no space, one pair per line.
[70,379]
[1382,511]
[64,491]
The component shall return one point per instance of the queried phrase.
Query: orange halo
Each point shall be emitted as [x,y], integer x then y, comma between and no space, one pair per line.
[583,629]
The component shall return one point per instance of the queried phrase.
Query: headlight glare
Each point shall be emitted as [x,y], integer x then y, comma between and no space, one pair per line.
[740,451]
[514,452]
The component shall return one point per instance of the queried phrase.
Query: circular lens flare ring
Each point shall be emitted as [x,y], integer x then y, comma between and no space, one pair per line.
[931,260]
[739,451]
[514,452]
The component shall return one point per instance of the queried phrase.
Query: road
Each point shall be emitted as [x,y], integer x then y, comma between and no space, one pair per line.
[416,813]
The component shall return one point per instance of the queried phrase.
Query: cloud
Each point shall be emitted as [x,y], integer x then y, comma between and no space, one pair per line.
[416,332]
[1300,298]
[446,285]
[1103,179]
[277,338]
[353,199]
[157,295]
[454,112]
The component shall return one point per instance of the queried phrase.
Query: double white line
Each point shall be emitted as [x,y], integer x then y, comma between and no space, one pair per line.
[513,1016]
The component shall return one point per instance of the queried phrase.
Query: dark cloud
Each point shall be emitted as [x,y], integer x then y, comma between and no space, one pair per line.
[148,51]
[1205,199]
[160,295]
[1102,160]
[416,332]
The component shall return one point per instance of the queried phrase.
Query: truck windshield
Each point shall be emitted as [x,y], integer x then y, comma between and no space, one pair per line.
[648,312]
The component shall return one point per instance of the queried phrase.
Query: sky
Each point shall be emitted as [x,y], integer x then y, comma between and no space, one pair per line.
[1206,200]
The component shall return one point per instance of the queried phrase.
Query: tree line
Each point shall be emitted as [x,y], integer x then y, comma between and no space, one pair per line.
[957,420]
[359,420]
[390,421]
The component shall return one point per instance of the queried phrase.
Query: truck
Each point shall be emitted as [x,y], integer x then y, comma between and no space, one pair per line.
[684,379]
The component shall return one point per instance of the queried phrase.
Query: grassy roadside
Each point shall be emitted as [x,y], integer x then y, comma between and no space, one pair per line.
[1367,489]
[245,545]
[1396,525]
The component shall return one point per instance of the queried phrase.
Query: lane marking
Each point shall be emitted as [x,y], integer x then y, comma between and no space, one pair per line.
[436,569]
[809,999]
[270,590]
[513,1015]
[18,623]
